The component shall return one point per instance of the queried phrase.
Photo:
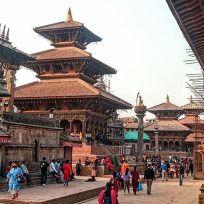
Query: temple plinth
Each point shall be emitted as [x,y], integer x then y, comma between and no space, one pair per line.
[140,110]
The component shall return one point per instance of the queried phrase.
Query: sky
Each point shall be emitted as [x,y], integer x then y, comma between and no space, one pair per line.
[140,39]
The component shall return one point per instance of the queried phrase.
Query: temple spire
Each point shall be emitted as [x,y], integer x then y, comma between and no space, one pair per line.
[3,32]
[69,16]
[191,99]
[7,35]
[167,98]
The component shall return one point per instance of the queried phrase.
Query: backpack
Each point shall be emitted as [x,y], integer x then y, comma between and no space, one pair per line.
[107,199]
[21,179]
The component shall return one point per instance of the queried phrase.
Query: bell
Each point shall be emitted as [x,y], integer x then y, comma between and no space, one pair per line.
[3,90]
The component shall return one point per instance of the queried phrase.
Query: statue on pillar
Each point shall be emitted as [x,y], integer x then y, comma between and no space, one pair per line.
[140,111]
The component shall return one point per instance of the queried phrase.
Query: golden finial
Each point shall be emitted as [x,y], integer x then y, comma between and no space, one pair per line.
[167,98]
[191,99]
[69,16]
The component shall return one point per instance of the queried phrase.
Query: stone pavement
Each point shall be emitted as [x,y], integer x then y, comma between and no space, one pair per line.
[167,192]
[57,193]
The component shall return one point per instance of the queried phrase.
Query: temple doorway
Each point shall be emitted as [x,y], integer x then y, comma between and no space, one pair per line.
[76,127]
[35,151]
[68,154]
[177,145]
[65,124]
[171,145]
[165,145]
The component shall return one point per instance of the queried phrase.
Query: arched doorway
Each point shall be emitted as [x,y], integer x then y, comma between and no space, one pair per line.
[76,127]
[35,151]
[177,145]
[171,145]
[65,124]
[165,145]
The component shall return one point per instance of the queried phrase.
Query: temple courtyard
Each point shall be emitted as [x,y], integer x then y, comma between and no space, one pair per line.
[80,191]
[169,192]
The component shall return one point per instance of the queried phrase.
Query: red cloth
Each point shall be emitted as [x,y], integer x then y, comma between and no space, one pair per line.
[135,177]
[67,171]
[113,197]
[109,163]
[116,184]
[8,168]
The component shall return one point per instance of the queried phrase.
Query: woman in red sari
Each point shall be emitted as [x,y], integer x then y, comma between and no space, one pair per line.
[135,178]
[67,173]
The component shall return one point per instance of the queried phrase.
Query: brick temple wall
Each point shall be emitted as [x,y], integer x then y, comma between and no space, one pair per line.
[92,152]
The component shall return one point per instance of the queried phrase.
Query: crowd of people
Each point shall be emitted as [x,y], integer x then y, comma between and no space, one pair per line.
[122,178]
[174,167]
[16,173]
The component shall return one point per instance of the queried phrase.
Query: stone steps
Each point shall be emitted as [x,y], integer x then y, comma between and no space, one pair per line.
[35,180]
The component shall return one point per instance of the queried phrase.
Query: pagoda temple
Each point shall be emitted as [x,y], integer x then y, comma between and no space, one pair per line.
[171,133]
[68,76]
[193,121]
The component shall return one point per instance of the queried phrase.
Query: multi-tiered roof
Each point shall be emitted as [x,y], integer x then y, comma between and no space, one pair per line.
[166,110]
[193,121]
[167,115]
[8,53]
[67,70]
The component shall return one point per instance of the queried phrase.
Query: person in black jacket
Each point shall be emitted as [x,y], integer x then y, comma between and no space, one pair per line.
[149,176]
[43,167]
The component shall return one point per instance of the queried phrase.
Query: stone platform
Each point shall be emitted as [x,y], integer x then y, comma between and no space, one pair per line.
[77,191]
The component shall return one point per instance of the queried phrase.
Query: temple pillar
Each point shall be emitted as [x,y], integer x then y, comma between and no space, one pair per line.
[10,79]
[140,110]
[156,143]
[83,128]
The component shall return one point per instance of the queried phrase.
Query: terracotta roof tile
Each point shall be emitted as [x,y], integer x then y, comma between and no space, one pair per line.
[62,53]
[134,125]
[165,106]
[193,137]
[167,125]
[71,53]
[59,25]
[67,88]
[67,25]
[131,126]
[190,119]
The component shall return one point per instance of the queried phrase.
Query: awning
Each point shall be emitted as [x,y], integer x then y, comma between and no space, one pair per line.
[5,139]
[132,136]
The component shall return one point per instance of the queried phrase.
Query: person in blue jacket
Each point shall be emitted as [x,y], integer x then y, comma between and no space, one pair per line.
[14,179]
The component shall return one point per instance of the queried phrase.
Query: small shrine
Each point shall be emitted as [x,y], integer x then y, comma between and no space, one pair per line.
[171,133]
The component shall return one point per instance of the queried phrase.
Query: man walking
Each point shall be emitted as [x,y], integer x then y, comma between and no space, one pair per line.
[149,176]
[164,170]
[43,166]
[181,173]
